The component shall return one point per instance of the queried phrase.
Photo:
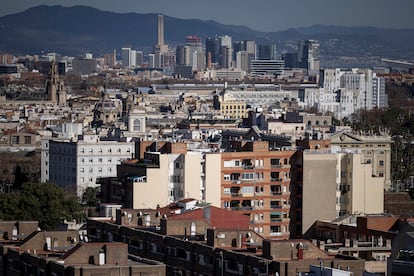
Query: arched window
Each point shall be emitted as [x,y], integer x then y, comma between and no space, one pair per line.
[137,125]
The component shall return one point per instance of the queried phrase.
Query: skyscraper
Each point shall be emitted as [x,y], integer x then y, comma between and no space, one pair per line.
[212,50]
[126,56]
[267,52]
[308,56]
[160,49]
[160,29]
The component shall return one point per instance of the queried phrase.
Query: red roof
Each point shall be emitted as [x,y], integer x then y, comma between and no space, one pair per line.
[216,218]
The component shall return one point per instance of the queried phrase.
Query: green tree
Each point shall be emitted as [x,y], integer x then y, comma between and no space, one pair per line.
[9,206]
[46,202]
[89,197]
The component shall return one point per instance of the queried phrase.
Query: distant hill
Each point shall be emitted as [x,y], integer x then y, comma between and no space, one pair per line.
[79,29]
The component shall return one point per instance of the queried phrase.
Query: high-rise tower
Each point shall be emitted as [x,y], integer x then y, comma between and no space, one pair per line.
[160,29]
[160,49]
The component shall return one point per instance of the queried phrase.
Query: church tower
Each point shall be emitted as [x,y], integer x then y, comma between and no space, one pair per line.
[53,83]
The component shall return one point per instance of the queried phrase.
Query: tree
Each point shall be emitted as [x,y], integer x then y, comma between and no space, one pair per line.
[9,206]
[89,198]
[46,202]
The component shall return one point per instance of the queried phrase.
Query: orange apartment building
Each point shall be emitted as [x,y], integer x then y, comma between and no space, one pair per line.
[257,182]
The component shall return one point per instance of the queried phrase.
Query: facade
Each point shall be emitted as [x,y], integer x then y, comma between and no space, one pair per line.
[126,56]
[76,165]
[376,150]
[169,169]
[243,60]
[266,68]
[233,109]
[308,56]
[267,52]
[256,181]
[379,97]
[345,181]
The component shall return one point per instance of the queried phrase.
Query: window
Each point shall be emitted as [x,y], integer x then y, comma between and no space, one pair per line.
[99,169]
[226,191]
[137,125]
[100,160]
[248,176]
[27,139]
[381,163]
[177,165]
[15,139]
[226,177]
[82,169]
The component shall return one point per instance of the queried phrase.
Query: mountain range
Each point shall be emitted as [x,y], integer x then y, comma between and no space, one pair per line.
[80,29]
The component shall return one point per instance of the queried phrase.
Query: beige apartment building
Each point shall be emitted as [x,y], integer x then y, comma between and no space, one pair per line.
[165,174]
[336,183]
[375,149]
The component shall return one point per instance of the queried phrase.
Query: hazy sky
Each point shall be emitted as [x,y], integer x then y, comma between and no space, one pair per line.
[262,15]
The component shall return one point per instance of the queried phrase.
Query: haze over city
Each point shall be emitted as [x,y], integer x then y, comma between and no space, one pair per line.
[262,15]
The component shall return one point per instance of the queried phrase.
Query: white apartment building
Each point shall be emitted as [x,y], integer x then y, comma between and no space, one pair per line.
[75,165]
[164,178]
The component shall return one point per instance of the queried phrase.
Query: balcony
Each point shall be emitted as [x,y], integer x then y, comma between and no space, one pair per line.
[275,179]
[276,234]
[248,167]
[241,208]
[274,206]
[279,234]
[273,193]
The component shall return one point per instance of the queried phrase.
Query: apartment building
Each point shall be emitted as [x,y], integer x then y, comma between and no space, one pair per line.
[375,148]
[257,182]
[336,183]
[77,164]
[169,169]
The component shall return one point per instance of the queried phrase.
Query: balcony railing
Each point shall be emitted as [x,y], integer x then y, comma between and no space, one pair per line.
[275,179]
[241,208]
[276,193]
[276,206]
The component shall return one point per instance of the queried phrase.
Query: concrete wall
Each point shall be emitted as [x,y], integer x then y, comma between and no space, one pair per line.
[155,191]
[367,191]
[319,188]
[213,179]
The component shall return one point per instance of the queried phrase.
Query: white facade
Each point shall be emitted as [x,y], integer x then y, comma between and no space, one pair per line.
[77,165]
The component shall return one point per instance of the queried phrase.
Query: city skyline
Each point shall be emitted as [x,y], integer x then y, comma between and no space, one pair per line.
[264,15]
